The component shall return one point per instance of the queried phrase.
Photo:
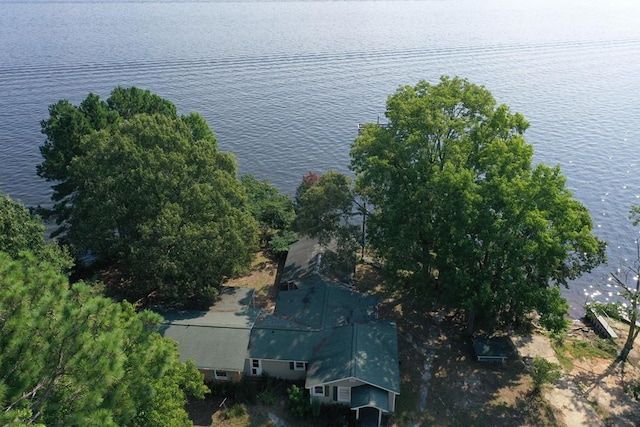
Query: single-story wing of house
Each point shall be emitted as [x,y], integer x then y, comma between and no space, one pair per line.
[217,339]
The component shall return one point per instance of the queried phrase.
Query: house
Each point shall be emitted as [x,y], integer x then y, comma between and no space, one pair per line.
[320,332]
[216,340]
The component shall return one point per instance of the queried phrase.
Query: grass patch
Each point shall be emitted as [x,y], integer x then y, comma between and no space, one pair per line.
[582,349]
[574,348]
[565,361]
[610,309]
[260,261]
[240,415]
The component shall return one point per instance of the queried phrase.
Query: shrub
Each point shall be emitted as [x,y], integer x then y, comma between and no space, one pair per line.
[280,243]
[337,415]
[236,411]
[268,397]
[559,338]
[544,372]
[223,388]
[315,408]
[611,309]
[298,401]
[245,391]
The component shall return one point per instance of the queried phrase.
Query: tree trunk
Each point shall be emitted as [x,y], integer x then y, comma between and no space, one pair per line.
[471,320]
[634,299]
[631,337]
[364,228]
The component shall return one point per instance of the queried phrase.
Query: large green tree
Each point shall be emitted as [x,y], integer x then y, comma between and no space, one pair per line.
[326,208]
[68,124]
[272,209]
[462,216]
[70,357]
[169,207]
[144,189]
[21,231]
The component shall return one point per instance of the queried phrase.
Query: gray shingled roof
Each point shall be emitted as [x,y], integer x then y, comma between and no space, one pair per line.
[307,256]
[322,304]
[304,317]
[210,347]
[218,338]
[365,395]
[304,258]
[367,352]
[328,325]
[284,344]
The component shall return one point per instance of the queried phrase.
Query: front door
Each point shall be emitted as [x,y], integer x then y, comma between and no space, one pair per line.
[369,416]
[256,367]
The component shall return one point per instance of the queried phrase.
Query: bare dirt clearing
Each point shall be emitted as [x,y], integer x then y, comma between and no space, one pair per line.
[606,384]
[456,389]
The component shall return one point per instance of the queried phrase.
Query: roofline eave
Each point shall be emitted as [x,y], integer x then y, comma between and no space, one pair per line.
[353,408]
[397,393]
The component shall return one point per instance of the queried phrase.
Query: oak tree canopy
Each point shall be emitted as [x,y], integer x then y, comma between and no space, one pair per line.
[147,190]
[462,215]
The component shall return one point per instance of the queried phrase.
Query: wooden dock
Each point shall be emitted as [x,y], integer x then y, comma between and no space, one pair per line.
[601,325]
[361,126]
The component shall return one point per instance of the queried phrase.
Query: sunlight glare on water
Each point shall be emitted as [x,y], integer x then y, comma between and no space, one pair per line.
[284,83]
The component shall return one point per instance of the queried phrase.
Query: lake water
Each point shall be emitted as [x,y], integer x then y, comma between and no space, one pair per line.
[284,83]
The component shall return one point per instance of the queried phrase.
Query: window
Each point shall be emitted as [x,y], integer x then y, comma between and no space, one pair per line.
[256,367]
[220,375]
[317,390]
[298,366]
[344,394]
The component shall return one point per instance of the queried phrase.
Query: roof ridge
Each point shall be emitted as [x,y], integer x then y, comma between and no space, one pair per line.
[325,307]
[217,326]
[354,346]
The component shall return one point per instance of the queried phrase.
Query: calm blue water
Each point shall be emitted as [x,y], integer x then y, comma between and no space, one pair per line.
[284,83]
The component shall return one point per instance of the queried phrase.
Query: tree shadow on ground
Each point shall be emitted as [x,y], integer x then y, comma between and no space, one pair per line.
[611,384]
[442,382]
[200,411]
[464,391]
